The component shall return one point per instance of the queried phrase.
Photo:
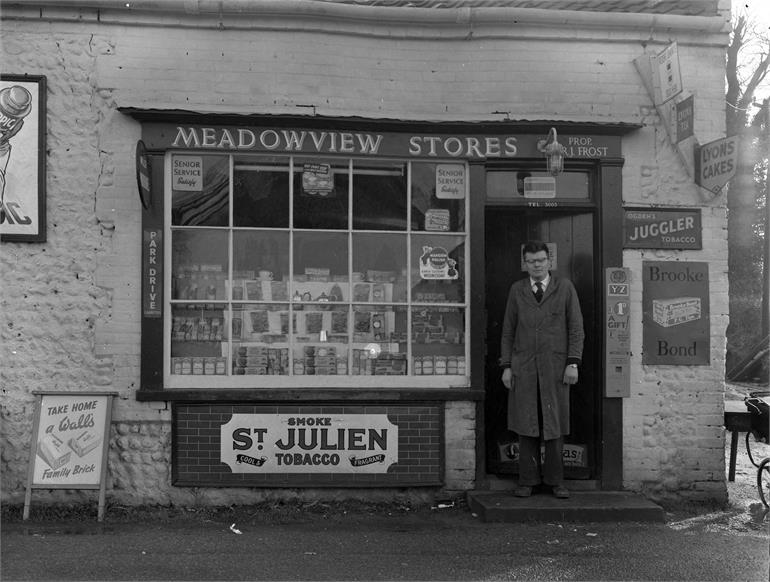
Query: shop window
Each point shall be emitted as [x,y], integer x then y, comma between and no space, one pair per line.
[309,271]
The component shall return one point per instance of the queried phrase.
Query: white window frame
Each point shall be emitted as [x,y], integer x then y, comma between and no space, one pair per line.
[346,381]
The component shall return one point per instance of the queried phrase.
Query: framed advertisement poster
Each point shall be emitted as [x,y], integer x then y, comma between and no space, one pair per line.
[675,319]
[70,435]
[22,158]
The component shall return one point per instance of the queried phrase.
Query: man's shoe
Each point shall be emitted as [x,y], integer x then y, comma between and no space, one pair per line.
[560,492]
[522,491]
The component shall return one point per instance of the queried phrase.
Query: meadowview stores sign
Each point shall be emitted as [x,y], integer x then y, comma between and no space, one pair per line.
[251,139]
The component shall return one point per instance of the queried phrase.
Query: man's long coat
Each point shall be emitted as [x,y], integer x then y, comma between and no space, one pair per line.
[537,339]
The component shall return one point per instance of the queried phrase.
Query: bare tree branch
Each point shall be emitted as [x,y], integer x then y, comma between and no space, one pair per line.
[735,115]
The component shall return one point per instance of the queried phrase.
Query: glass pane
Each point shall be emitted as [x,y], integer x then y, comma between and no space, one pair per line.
[260,265]
[321,323]
[379,267]
[320,359]
[511,185]
[321,340]
[320,257]
[260,339]
[260,322]
[200,190]
[438,269]
[321,193]
[197,334]
[261,192]
[438,336]
[444,211]
[379,340]
[199,264]
[379,196]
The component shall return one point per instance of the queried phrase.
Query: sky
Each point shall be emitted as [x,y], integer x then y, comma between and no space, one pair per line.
[759,11]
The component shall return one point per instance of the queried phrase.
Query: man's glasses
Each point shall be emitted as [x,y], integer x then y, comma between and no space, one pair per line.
[536,261]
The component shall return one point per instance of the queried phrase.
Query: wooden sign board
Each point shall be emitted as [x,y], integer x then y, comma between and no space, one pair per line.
[69,449]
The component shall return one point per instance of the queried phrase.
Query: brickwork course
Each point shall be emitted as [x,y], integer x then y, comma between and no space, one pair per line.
[71,306]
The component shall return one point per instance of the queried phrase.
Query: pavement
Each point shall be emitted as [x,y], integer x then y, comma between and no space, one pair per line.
[349,541]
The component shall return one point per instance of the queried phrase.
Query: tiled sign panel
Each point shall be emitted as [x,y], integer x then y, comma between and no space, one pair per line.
[323,445]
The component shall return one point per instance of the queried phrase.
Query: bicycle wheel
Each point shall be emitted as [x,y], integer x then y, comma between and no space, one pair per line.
[748,449]
[763,481]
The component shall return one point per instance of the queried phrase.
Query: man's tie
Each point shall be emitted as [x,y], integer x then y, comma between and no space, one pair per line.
[539,291]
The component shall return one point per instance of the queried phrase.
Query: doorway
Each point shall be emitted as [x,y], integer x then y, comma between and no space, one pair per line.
[572,233]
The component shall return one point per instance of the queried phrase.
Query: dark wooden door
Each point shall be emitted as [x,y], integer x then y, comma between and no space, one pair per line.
[573,234]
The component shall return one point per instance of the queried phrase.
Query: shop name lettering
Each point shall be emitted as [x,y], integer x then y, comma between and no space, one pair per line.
[311,435]
[342,142]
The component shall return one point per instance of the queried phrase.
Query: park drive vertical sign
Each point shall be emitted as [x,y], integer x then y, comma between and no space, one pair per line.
[675,320]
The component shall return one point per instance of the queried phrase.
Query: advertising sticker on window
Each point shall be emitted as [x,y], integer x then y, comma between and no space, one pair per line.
[323,443]
[450,181]
[317,180]
[436,264]
[187,173]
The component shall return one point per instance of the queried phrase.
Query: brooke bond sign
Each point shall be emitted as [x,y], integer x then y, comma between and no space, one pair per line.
[716,163]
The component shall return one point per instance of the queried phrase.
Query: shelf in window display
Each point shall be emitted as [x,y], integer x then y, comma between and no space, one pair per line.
[308,292]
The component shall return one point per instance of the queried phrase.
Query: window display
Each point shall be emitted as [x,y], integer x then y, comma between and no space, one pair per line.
[299,267]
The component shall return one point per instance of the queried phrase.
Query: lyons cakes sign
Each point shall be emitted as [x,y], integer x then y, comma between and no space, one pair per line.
[292,443]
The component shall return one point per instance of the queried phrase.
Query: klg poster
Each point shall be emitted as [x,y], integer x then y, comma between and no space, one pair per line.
[22,158]
[675,303]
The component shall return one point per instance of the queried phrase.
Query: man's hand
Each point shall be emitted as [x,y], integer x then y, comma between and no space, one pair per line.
[507,378]
[570,375]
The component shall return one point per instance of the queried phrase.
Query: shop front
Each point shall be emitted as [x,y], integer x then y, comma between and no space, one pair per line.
[282,235]
[315,294]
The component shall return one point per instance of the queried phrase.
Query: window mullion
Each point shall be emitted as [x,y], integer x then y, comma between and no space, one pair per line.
[290,275]
[350,269]
[409,359]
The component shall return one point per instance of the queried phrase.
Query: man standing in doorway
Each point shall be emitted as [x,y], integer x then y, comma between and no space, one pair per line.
[540,351]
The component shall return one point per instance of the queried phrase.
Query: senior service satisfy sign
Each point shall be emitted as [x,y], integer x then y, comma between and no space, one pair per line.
[303,443]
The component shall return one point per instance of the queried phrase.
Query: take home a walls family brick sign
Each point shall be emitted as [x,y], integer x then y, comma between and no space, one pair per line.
[325,445]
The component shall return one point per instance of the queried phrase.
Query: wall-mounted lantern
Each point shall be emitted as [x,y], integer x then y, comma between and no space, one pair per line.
[554,153]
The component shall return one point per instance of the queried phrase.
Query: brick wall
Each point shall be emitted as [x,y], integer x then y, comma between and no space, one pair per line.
[197,448]
[70,306]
